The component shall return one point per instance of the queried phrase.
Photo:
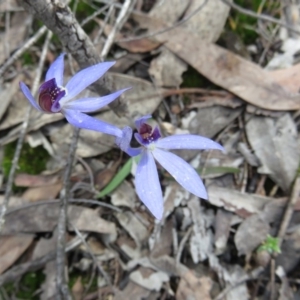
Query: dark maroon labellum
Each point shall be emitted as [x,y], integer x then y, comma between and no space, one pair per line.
[147,134]
[50,93]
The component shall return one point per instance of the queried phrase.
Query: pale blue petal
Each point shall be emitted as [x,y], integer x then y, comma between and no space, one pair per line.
[86,77]
[187,141]
[56,70]
[141,121]
[91,104]
[25,90]
[148,186]
[124,142]
[183,173]
[80,120]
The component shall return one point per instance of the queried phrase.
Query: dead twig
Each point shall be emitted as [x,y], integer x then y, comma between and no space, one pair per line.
[182,244]
[62,222]
[79,201]
[96,261]
[122,17]
[289,210]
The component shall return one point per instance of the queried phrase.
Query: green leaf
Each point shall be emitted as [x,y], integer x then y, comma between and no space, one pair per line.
[271,245]
[118,179]
[216,170]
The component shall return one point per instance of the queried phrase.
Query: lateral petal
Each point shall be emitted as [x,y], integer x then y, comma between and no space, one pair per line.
[91,104]
[80,120]
[86,77]
[188,141]
[56,70]
[148,186]
[182,172]
[25,90]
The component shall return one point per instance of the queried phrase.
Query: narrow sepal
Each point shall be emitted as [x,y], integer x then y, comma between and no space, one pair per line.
[80,120]
[91,104]
[148,186]
[188,141]
[86,77]
[182,172]
[25,90]
[56,70]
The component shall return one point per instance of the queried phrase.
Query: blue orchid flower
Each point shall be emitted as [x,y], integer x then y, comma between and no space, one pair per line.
[54,97]
[156,148]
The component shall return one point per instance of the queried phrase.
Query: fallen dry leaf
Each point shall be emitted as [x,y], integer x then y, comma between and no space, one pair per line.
[288,78]
[132,291]
[134,46]
[124,195]
[103,177]
[167,10]
[35,180]
[191,287]
[7,93]
[17,29]
[243,204]
[230,71]
[43,218]
[201,123]
[250,234]
[47,192]
[209,22]
[201,240]
[222,230]
[12,247]
[133,226]
[78,289]
[148,278]
[163,245]
[274,142]
[166,69]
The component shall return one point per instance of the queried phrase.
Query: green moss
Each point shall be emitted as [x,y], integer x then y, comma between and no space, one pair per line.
[27,59]
[32,160]
[192,78]
[27,287]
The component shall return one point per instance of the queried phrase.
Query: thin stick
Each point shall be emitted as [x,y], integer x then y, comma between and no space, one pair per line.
[22,135]
[94,15]
[122,17]
[46,202]
[289,211]
[272,279]
[182,244]
[62,287]
[96,262]
[21,50]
